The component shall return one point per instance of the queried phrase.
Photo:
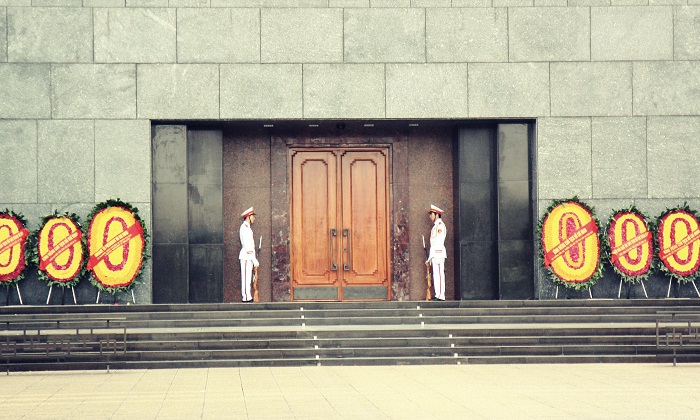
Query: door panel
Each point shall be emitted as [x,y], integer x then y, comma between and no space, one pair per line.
[364,218]
[340,243]
[314,210]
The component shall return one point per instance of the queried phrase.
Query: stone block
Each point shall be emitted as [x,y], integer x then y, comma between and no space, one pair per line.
[673,157]
[261,91]
[666,88]
[137,35]
[549,34]
[66,161]
[218,35]
[619,154]
[686,33]
[3,35]
[604,208]
[188,3]
[588,3]
[146,3]
[631,33]
[655,207]
[18,161]
[169,153]
[344,91]
[177,91]
[513,3]
[384,35]
[93,91]
[57,3]
[431,3]
[471,3]
[584,89]
[467,35]
[390,3]
[33,213]
[301,35]
[426,91]
[269,3]
[564,158]
[11,3]
[123,160]
[348,3]
[629,2]
[508,90]
[104,3]
[550,3]
[49,34]
[26,91]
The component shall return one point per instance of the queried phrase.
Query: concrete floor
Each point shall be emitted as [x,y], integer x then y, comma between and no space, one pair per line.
[586,391]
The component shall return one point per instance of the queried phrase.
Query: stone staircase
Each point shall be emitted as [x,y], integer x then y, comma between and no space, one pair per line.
[317,333]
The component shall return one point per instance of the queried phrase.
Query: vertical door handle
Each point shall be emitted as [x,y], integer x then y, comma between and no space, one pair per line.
[334,266]
[346,266]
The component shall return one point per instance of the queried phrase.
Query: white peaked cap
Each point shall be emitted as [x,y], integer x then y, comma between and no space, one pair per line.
[435,209]
[247,213]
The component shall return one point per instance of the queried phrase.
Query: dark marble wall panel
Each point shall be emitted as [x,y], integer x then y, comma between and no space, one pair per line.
[513,155]
[172,262]
[476,207]
[205,215]
[279,223]
[170,222]
[477,216]
[400,234]
[246,183]
[515,208]
[206,273]
[169,213]
[169,154]
[478,270]
[515,269]
[476,154]
[204,160]
[495,211]
[430,169]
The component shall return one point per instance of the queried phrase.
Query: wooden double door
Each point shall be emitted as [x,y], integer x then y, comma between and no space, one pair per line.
[339,224]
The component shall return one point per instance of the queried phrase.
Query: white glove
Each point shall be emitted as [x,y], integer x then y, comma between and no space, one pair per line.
[256,263]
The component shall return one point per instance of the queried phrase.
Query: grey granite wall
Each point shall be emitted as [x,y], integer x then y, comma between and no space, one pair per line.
[614,85]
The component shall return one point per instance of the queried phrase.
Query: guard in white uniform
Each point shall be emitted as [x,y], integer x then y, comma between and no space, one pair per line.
[438,253]
[247,254]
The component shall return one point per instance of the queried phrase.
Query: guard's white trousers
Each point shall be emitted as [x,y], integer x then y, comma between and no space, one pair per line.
[439,277]
[246,279]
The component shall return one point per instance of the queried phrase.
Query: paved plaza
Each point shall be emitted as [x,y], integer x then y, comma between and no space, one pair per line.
[582,391]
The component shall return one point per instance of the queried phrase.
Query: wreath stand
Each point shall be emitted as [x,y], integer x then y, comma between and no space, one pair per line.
[133,298]
[7,298]
[590,294]
[63,295]
[668,293]
[619,291]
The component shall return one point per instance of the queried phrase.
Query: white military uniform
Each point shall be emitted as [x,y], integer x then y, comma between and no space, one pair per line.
[438,254]
[247,257]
